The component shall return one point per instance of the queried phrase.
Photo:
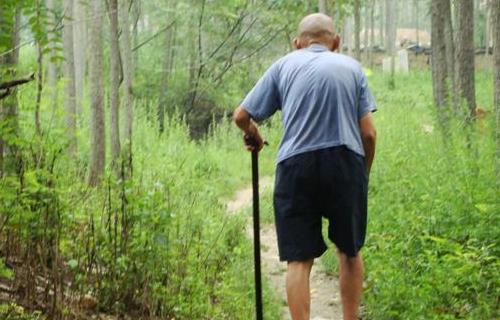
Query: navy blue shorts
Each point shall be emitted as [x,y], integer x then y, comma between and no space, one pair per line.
[329,183]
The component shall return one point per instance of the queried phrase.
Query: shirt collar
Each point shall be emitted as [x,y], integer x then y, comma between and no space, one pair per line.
[317,47]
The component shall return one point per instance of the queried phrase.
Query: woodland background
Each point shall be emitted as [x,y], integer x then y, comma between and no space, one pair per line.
[117,152]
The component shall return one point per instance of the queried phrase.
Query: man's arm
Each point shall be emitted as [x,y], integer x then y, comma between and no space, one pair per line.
[243,120]
[369,137]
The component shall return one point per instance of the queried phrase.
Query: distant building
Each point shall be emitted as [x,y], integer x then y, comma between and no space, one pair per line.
[404,37]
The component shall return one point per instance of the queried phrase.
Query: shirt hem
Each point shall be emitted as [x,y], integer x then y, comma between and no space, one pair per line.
[318,147]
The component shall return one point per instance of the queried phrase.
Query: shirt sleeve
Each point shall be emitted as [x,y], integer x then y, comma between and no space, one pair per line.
[263,100]
[366,101]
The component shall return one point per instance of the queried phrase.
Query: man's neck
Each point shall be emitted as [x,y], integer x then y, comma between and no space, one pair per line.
[315,42]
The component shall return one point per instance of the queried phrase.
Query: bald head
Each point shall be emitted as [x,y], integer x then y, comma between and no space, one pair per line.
[316,28]
[316,25]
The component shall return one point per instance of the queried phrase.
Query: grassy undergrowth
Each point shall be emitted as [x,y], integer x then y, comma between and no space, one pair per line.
[160,244]
[432,249]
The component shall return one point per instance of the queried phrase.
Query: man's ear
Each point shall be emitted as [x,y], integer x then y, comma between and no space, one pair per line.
[296,44]
[335,42]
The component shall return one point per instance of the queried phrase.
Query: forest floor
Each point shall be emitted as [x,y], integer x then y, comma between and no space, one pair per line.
[325,297]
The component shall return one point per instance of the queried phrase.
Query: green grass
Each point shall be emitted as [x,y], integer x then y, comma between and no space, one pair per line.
[183,256]
[432,247]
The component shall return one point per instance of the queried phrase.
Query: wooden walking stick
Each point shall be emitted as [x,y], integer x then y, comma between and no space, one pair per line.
[256,229]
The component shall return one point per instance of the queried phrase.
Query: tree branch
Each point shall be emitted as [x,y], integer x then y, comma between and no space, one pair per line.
[154,36]
[8,86]
[14,83]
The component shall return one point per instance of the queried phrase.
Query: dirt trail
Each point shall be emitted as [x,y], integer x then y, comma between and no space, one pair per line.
[325,298]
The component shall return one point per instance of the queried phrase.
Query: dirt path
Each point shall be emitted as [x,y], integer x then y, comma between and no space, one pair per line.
[325,298]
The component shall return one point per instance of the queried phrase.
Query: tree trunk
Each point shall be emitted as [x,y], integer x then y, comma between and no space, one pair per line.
[115,71]
[51,64]
[417,18]
[322,6]
[439,70]
[495,15]
[167,68]
[391,31]
[372,32]
[80,49]
[39,86]
[136,9]
[127,67]
[381,29]
[97,124]
[348,34]
[465,54]
[388,46]
[487,31]
[366,32]
[69,75]
[450,54]
[9,161]
[357,30]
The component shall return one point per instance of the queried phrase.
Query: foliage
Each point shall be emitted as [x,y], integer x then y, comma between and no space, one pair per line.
[15,312]
[38,22]
[432,248]
[161,243]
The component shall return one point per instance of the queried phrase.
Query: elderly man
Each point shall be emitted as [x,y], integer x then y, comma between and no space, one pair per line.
[323,161]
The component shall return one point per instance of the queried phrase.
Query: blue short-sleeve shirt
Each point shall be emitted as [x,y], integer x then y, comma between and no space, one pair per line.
[321,94]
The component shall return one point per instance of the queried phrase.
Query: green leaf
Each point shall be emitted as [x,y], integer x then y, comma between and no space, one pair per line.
[73,263]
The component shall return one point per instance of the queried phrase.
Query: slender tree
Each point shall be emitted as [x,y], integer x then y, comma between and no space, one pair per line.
[348,26]
[322,6]
[450,53]
[495,14]
[69,76]
[40,78]
[10,27]
[487,29]
[115,69]
[80,24]
[440,72]
[417,20]
[97,124]
[465,54]
[381,18]
[167,68]
[372,32]
[138,21]
[391,31]
[128,104]
[357,29]
[52,64]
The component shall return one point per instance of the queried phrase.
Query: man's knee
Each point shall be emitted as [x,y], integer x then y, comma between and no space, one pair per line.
[349,261]
[300,266]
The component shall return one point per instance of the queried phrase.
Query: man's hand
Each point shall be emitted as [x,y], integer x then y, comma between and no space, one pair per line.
[253,141]
[369,137]
[252,138]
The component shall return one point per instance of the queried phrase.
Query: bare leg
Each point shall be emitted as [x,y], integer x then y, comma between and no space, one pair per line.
[351,284]
[297,289]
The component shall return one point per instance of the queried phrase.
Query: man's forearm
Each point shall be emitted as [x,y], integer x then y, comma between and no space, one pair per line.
[244,122]
[369,147]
